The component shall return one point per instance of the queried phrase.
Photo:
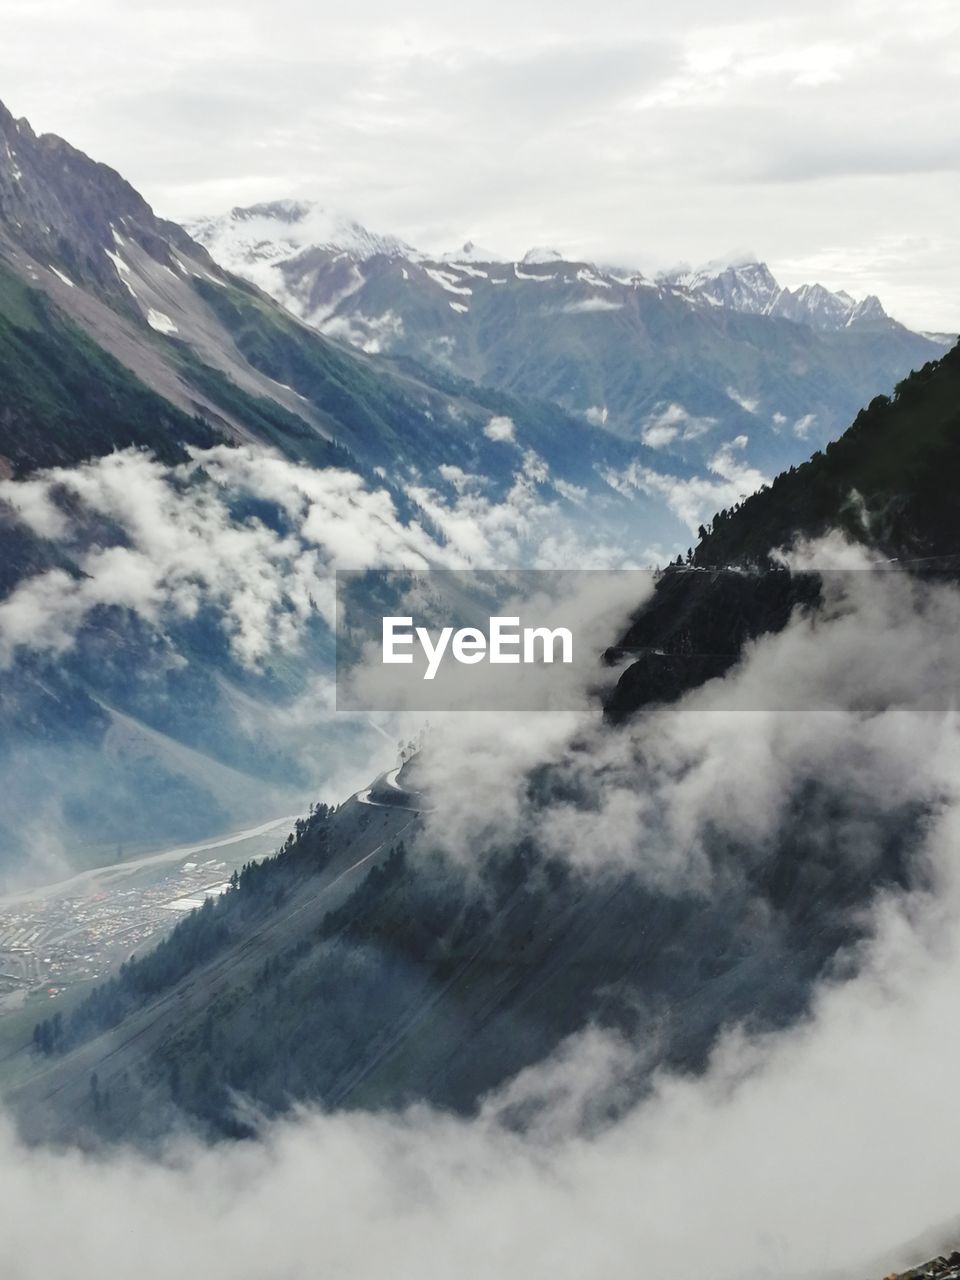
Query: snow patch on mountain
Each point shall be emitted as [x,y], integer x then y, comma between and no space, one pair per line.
[526,275]
[162,323]
[446,280]
[586,276]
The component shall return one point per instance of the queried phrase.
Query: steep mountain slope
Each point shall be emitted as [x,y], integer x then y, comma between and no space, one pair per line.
[889,482]
[686,362]
[352,972]
[440,980]
[889,479]
[91,279]
[361,967]
[118,331]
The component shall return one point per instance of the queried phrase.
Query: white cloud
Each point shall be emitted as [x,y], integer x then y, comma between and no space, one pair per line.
[695,499]
[650,794]
[673,421]
[460,479]
[784,1158]
[523,527]
[179,547]
[500,428]
[749,404]
[588,305]
[373,334]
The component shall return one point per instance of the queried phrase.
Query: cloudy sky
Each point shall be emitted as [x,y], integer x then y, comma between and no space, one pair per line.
[823,136]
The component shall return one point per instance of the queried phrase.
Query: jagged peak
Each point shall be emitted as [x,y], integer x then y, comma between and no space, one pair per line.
[869,308]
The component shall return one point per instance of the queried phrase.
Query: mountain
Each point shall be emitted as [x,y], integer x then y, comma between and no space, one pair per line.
[167,660]
[119,332]
[688,362]
[354,970]
[888,482]
[888,479]
[362,968]
[750,287]
[252,241]
[112,315]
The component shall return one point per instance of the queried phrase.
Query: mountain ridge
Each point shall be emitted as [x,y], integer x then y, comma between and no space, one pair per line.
[745,283]
[415,987]
[732,353]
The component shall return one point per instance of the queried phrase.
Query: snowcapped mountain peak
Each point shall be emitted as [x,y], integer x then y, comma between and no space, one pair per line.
[539,255]
[280,229]
[822,309]
[743,283]
[291,211]
[869,309]
[282,245]
[470,252]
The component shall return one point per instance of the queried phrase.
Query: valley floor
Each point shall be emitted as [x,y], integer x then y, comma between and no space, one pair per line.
[367,828]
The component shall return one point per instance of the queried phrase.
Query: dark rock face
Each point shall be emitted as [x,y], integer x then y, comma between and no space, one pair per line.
[695,627]
[63,208]
[940,1268]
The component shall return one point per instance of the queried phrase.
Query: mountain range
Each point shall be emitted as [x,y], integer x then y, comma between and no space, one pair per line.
[119,332]
[360,967]
[681,361]
[538,412]
[535,934]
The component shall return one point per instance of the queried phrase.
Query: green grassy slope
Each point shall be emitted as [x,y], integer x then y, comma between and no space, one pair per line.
[64,398]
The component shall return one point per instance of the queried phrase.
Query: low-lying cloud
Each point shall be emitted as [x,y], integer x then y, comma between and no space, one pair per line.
[814,1151]
[166,542]
[854,698]
[692,499]
[818,1151]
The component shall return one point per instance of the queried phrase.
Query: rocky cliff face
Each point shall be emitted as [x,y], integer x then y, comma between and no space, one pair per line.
[940,1268]
[70,212]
